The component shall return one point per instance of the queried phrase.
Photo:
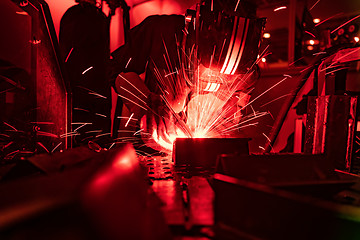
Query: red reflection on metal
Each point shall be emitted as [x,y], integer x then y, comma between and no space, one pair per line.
[236,47]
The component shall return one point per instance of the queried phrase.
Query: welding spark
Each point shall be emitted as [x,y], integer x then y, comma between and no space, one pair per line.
[7,145]
[132,101]
[101,115]
[4,135]
[262,148]
[98,95]
[216,113]
[76,123]
[81,109]
[285,95]
[120,117]
[126,138]
[101,135]
[10,126]
[134,95]
[344,24]
[56,147]
[92,93]
[253,110]
[327,19]
[112,145]
[314,5]
[12,153]
[279,8]
[33,5]
[172,73]
[85,71]
[42,145]
[70,134]
[237,4]
[138,132]
[94,131]
[127,64]
[132,85]
[319,53]
[126,131]
[269,141]
[67,57]
[75,130]
[310,34]
[126,124]
[266,91]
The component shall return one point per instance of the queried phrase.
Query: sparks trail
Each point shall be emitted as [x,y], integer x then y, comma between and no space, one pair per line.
[138,90]
[269,141]
[83,125]
[327,19]
[46,134]
[91,92]
[344,24]
[56,147]
[67,57]
[126,124]
[81,109]
[10,126]
[70,134]
[266,91]
[94,131]
[250,117]
[103,134]
[318,53]
[314,5]
[213,110]
[86,70]
[311,34]
[42,145]
[101,115]
[285,95]
[7,145]
[134,95]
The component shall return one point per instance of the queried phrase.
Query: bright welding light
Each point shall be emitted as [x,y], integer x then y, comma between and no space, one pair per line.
[200,133]
[172,137]
[279,8]
[316,20]
[356,39]
[312,42]
[263,59]
[266,35]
